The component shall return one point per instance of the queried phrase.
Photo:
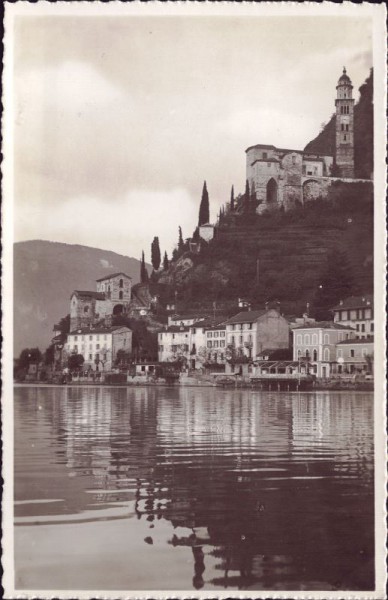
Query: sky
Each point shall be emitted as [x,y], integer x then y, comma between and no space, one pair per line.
[119,120]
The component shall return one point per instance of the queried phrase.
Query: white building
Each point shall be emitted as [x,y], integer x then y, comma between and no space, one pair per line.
[355,355]
[317,342]
[252,331]
[99,346]
[216,344]
[356,311]
[173,343]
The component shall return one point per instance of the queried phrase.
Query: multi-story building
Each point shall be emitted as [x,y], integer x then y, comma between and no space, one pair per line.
[216,344]
[173,343]
[112,297]
[357,312]
[99,346]
[250,332]
[317,342]
[355,355]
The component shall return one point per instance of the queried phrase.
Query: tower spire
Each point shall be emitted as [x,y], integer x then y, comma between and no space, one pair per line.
[344,129]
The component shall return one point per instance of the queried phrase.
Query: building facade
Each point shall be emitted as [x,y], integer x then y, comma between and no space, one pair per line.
[250,332]
[317,342]
[357,312]
[112,297]
[99,346]
[173,343]
[355,356]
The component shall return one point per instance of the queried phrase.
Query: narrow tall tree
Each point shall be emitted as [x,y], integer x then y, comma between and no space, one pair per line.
[143,270]
[155,253]
[180,240]
[253,197]
[165,262]
[232,199]
[247,196]
[204,214]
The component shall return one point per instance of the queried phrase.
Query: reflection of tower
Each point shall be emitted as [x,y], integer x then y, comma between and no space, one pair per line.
[344,129]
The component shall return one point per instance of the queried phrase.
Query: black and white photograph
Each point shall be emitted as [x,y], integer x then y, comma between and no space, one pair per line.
[193,300]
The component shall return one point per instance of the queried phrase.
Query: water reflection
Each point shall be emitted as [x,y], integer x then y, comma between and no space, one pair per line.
[264,490]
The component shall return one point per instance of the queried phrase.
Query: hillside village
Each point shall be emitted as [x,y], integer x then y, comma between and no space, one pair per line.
[281,284]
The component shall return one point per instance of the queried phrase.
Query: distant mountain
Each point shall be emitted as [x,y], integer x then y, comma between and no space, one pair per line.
[324,143]
[45,274]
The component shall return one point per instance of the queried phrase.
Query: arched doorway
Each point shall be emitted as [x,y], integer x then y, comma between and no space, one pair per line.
[272,191]
[118,309]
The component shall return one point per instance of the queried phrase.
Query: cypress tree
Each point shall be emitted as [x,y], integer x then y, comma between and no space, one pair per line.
[232,199]
[253,197]
[204,214]
[165,262]
[155,253]
[143,270]
[180,240]
[247,196]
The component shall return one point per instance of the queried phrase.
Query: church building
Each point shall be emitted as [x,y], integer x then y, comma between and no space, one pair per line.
[285,177]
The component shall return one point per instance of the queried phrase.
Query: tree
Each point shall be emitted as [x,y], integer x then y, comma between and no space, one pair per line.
[253,197]
[165,262]
[143,270]
[49,355]
[155,253]
[232,199]
[180,239]
[247,197]
[335,284]
[75,362]
[204,214]
[28,356]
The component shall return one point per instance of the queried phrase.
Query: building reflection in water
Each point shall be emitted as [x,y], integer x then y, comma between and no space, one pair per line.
[254,481]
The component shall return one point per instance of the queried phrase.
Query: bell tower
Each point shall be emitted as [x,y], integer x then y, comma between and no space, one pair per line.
[344,127]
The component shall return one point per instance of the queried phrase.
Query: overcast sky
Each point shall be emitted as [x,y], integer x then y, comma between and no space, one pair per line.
[119,120]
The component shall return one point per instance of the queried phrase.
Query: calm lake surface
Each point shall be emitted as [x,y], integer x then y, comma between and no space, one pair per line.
[195,488]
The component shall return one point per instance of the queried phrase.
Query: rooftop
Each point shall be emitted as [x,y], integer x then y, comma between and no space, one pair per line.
[91,330]
[89,294]
[175,329]
[368,340]
[355,302]
[324,325]
[246,316]
[113,275]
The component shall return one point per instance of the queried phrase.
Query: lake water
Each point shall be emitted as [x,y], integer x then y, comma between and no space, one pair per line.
[194,488]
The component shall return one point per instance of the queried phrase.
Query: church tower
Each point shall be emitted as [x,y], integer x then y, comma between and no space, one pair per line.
[344,127]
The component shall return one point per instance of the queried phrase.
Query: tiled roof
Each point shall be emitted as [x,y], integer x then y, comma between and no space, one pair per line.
[324,325]
[89,331]
[175,329]
[355,302]
[265,160]
[89,294]
[260,146]
[246,316]
[352,342]
[113,275]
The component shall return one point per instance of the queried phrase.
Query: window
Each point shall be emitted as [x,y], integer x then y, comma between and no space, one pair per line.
[326,339]
[121,283]
[351,352]
[299,339]
[97,356]
[326,355]
[347,127]
[120,295]
[90,356]
[75,348]
[314,339]
[265,155]
[363,327]
[357,327]
[222,333]
[86,309]
[209,344]
[216,334]
[372,327]
[241,339]
[339,352]
[249,338]
[315,356]
[216,344]
[90,338]
[76,338]
[345,137]
[294,160]
[221,356]
[222,344]
[97,346]
[232,340]
[307,339]
[173,336]
[233,327]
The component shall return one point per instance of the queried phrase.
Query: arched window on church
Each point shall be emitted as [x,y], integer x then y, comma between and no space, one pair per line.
[121,283]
